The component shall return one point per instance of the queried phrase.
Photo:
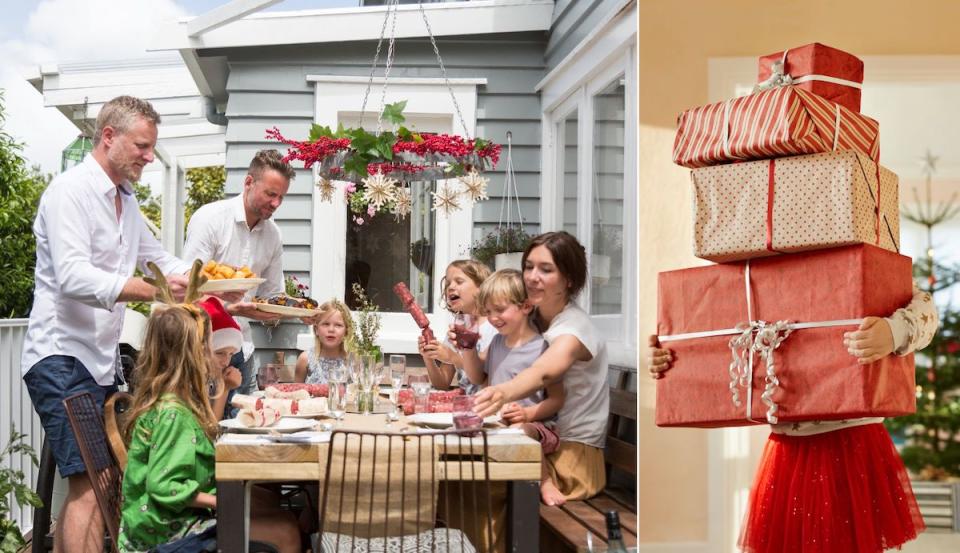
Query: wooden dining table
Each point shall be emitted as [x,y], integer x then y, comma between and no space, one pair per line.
[245,459]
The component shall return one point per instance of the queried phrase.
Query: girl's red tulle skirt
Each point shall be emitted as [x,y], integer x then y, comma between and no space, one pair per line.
[839,492]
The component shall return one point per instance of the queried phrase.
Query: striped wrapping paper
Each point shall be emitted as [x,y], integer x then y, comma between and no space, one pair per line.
[780,122]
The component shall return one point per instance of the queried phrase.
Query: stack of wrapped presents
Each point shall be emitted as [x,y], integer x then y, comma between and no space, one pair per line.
[792,204]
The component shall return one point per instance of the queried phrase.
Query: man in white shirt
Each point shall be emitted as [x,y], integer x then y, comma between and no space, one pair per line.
[90,238]
[239,231]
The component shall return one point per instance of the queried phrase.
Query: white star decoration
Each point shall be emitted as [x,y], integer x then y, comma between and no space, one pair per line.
[446,199]
[326,189]
[475,186]
[402,202]
[378,190]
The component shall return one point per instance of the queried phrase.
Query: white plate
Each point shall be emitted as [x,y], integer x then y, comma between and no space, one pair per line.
[285,424]
[231,284]
[286,310]
[442,420]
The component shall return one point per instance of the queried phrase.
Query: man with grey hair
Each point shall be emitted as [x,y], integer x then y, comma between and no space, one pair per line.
[90,238]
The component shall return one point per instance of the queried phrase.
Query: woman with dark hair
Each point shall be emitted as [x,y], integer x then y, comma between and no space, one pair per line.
[554,273]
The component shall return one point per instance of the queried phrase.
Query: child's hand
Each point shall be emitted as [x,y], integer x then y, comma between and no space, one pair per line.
[232,378]
[513,413]
[871,342]
[431,350]
[658,358]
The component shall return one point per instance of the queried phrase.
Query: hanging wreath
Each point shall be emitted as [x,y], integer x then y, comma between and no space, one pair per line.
[379,165]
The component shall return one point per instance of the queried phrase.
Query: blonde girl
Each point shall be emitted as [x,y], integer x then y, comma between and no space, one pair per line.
[460,286]
[168,486]
[333,329]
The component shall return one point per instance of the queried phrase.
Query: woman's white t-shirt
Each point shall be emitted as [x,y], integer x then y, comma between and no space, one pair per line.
[583,417]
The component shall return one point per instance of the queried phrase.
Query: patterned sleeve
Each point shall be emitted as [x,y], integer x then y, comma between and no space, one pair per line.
[914,326]
[171,476]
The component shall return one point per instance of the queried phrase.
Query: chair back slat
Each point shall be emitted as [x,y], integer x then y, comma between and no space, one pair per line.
[114,410]
[386,491]
[102,468]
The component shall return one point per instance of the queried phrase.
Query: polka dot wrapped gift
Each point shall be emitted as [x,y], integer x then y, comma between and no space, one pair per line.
[793,204]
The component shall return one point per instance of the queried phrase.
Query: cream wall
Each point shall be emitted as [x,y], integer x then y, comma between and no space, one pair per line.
[678,489]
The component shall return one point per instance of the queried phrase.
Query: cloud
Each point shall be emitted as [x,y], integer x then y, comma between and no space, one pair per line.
[98,29]
[59,31]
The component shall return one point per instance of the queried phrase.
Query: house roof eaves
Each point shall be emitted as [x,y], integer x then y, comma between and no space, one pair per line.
[365,23]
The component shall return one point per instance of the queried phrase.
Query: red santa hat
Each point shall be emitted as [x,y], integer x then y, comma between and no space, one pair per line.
[226,331]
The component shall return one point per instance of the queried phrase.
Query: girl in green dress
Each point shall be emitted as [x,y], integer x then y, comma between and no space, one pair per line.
[168,486]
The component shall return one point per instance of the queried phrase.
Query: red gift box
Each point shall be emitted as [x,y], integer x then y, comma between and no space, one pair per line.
[818,378]
[780,122]
[833,74]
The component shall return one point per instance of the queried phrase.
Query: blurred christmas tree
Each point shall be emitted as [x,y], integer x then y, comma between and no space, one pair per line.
[932,447]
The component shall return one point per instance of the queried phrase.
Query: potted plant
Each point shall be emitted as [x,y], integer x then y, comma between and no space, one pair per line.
[364,343]
[502,248]
[610,242]
[12,482]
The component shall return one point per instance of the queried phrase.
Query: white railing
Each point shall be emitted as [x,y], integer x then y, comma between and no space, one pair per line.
[15,407]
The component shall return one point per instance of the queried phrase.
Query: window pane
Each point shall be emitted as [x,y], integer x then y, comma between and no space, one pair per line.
[606,263]
[567,129]
[383,251]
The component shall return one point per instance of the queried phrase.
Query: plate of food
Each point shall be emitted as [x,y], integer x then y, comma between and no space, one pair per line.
[284,425]
[290,306]
[227,278]
[442,420]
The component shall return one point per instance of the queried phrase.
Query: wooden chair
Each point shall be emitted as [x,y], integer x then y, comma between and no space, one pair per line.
[406,492]
[565,528]
[113,418]
[102,468]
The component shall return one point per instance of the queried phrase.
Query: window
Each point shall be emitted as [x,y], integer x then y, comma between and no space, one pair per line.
[589,181]
[606,259]
[382,252]
[567,130]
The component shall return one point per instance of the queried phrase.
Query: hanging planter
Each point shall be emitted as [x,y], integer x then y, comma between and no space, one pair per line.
[503,248]
[378,165]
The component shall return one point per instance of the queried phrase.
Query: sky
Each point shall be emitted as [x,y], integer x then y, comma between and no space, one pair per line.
[34,32]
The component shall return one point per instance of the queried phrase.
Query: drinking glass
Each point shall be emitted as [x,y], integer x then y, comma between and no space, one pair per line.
[266,375]
[398,370]
[369,375]
[464,417]
[337,393]
[466,327]
[421,390]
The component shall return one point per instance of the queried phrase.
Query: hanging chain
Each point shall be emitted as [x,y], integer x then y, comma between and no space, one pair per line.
[443,69]
[392,5]
[373,69]
[389,65]
[509,185]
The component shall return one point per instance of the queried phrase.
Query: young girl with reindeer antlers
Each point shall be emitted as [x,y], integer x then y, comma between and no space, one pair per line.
[168,486]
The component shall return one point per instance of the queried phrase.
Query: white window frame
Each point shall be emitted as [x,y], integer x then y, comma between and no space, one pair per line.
[425,96]
[593,65]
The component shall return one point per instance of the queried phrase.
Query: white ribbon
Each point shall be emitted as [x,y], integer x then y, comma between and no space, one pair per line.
[726,128]
[836,129]
[779,77]
[753,338]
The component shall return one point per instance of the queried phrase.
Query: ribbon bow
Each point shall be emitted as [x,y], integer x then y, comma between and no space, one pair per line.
[778,77]
[756,338]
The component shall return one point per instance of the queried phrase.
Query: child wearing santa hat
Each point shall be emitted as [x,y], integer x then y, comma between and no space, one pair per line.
[225,340]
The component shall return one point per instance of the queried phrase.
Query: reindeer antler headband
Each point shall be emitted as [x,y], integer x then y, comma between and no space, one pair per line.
[165,296]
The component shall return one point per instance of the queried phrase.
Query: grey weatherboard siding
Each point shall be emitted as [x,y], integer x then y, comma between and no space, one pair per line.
[267,87]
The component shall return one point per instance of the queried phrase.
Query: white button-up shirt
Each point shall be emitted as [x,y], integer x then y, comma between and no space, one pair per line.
[84,258]
[218,231]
